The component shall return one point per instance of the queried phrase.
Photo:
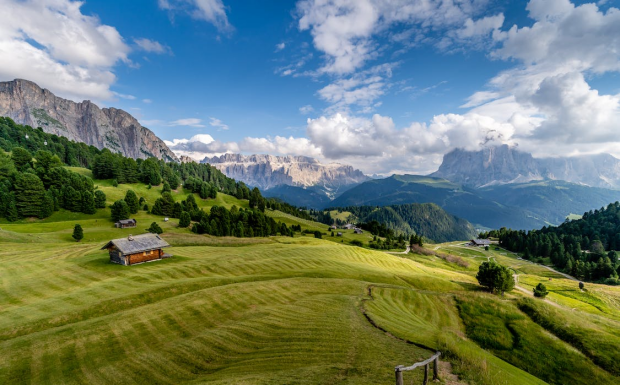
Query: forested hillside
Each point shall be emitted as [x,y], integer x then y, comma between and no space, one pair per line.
[585,248]
[35,182]
[425,219]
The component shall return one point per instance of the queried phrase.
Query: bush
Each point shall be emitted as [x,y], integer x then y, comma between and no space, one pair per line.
[114,183]
[317,234]
[357,243]
[612,281]
[540,291]
[78,233]
[495,277]
[155,228]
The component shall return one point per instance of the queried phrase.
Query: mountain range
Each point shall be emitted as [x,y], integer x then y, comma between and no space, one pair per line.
[504,165]
[27,103]
[268,172]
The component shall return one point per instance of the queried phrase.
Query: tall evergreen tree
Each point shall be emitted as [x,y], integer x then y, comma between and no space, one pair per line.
[11,210]
[21,157]
[185,219]
[29,194]
[78,232]
[120,210]
[132,201]
[100,199]
[88,203]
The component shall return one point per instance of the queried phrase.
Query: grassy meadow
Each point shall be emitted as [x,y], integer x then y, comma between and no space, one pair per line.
[282,310]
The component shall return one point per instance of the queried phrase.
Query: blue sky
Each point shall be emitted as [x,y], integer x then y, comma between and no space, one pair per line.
[385,85]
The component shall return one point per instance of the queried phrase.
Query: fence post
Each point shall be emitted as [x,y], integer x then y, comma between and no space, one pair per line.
[436,369]
[399,375]
[425,374]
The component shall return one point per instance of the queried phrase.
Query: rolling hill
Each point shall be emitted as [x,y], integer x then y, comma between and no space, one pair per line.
[277,310]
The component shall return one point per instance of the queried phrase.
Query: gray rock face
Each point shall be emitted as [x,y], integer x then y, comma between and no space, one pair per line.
[503,164]
[27,103]
[268,171]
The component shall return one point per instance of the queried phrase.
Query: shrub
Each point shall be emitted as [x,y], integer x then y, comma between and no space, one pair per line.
[155,228]
[495,277]
[540,291]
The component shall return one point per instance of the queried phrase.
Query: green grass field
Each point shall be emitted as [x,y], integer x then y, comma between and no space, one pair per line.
[281,310]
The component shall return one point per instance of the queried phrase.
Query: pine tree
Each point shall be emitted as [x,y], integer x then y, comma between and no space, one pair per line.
[495,277]
[29,194]
[155,228]
[185,219]
[100,199]
[132,201]
[47,208]
[21,157]
[78,233]
[11,210]
[540,291]
[120,210]
[166,187]
[88,203]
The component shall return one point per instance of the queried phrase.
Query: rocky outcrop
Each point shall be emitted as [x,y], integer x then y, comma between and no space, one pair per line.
[268,171]
[27,103]
[504,164]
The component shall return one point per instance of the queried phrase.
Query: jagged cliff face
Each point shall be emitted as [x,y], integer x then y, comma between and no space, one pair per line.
[503,164]
[27,103]
[268,171]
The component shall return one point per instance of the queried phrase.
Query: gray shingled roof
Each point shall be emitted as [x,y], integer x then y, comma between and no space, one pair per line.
[127,221]
[144,242]
[482,241]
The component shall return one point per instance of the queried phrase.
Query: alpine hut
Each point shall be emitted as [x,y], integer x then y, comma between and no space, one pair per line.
[126,223]
[136,249]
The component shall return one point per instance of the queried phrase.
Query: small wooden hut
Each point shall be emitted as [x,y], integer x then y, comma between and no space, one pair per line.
[126,223]
[138,249]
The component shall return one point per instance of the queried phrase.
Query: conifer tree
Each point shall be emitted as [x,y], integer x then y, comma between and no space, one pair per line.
[120,210]
[132,201]
[100,199]
[166,187]
[11,210]
[29,194]
[185,219]
[88,203]
[155,228]
[21,157]
[78,233]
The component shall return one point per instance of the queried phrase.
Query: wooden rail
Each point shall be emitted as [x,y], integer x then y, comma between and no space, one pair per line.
[402,368]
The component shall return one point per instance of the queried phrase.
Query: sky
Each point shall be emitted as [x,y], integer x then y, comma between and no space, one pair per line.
[387,86]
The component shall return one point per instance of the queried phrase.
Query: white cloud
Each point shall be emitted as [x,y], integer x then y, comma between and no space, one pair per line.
[147,101]
[53,44]
[305,110]
[361,89]
[280,46]
[124,96]
[212,11]
[152,46]
[214,122]
[190,122]
[344,29]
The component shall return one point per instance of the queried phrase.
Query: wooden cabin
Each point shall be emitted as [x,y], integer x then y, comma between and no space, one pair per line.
[136,249]
[126,223]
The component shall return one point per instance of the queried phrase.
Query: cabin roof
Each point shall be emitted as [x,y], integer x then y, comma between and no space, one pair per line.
[481,241]
[127,221]
[137,243]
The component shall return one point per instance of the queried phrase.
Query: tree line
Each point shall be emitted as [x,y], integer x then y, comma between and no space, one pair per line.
[585,248]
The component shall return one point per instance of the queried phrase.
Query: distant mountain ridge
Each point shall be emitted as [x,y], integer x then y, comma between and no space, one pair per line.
[27,103]
[518,206]
[504,165]
[269,171]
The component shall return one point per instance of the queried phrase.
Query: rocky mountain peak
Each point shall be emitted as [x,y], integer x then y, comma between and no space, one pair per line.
[504,164]
[268,171]
[27,103]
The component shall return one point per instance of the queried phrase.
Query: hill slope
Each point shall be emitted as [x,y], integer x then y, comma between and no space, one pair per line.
[426,219]
[26,103]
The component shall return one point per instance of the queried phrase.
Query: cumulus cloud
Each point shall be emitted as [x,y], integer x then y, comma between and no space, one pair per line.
[152,46]
[189,122]
[280,46]
[212,11]
[214,122]
[344,30]
[53,44]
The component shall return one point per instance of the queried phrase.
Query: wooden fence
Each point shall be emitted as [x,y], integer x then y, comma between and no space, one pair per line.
[401,368]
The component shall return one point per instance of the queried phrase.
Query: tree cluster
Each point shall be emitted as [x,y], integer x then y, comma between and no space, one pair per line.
[584,248]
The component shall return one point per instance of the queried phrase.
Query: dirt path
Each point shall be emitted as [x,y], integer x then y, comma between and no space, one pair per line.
[400,252]
[530,293]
